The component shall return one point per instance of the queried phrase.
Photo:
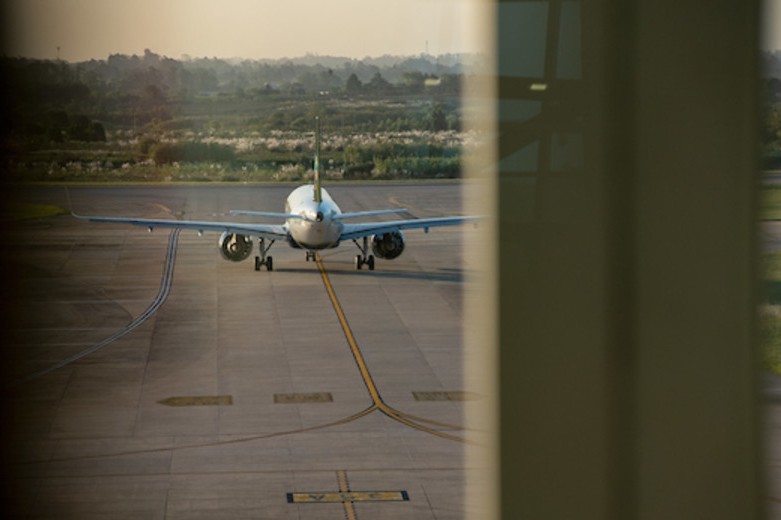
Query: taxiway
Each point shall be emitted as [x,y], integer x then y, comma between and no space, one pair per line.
[313,391]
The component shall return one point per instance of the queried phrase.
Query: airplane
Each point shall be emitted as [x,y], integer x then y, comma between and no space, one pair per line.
[313,222]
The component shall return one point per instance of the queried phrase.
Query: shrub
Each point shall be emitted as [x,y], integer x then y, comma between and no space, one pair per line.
[290,172]
[167,153]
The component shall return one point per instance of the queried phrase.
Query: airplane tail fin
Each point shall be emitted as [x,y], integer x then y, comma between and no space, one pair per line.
[318,189]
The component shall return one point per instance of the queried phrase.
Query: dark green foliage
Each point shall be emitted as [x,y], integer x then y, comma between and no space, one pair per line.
[166,153]
[438,118]
[353,85]
[146,144]
[82,129]
[135,91]
[770,311]
[392,161]
[112,116]
[771,117]
[418,167]
[379,85]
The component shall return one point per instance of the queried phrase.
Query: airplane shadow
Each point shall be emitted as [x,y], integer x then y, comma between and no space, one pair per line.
[346,270]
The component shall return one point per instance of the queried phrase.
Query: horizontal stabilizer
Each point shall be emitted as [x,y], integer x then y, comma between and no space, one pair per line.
[265,214]
[360,214]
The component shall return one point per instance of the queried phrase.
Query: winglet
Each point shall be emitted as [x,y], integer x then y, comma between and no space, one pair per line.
[70,204]
[318,191]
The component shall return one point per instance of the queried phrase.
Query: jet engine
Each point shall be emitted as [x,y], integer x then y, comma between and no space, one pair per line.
[235,247]
[388,246]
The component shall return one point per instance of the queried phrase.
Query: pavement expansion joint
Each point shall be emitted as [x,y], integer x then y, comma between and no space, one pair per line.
[298,398]
[445,396]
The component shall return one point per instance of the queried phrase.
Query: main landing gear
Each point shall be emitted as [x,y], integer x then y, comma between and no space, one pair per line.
[263,259]
[363,259]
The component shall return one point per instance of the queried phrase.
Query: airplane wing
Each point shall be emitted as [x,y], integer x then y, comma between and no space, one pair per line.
[352,231]
[270,231]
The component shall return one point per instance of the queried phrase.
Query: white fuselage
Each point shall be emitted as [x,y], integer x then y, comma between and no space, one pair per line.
[319,229]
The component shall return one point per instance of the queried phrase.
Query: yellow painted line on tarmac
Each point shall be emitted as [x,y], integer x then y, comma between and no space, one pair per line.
[379,404]
[348,333]
[344,485]
[347,497]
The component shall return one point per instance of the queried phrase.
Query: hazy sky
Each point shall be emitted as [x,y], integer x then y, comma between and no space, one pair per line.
[85,29]
[771,23]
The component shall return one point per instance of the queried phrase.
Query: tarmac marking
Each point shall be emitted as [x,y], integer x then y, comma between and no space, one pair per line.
[346,496]
[162,296]
[378,403]
[315,397]
[324,497]
[198,400]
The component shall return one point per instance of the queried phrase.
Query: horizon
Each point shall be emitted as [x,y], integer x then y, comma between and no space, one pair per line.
[82,30]
[313,56]
[770,22]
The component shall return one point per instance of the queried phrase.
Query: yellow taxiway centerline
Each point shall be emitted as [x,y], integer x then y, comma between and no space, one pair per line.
[379,404]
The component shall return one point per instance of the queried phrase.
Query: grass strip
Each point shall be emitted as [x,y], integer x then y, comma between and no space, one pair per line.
[770,312]
[25,210]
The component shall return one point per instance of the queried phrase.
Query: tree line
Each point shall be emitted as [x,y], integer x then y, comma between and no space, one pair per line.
[120,115]
[770,129]
[45,100]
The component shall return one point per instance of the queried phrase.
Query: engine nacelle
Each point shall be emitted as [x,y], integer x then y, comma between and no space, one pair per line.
[388,246]
[235,247]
